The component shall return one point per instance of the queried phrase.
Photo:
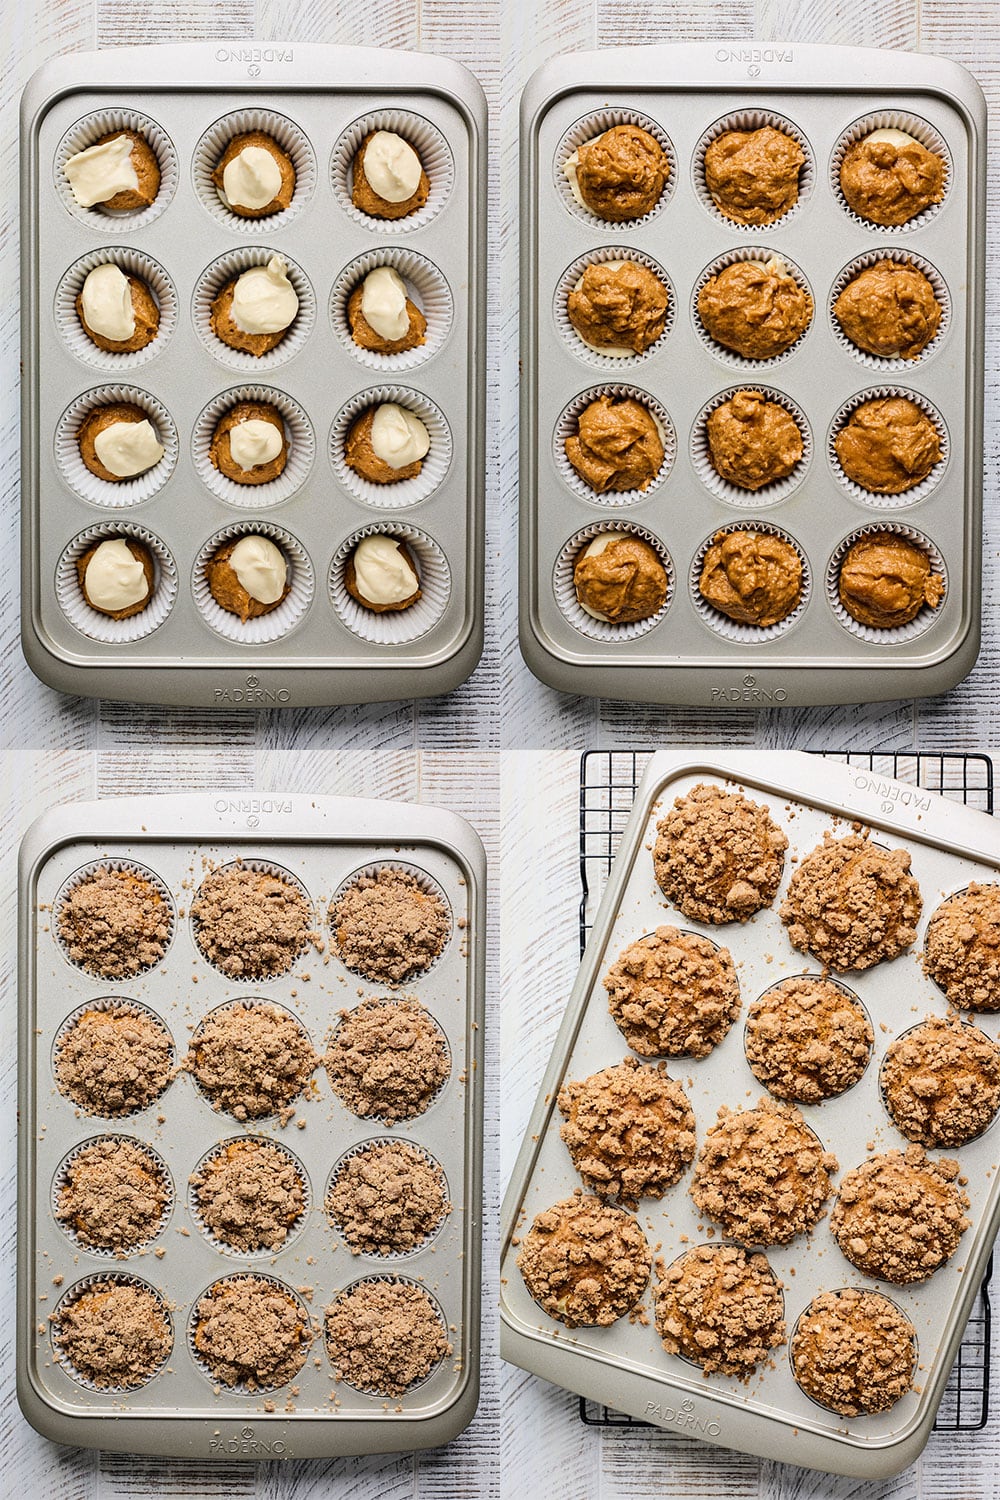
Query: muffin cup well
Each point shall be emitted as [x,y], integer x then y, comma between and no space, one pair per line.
[426,140]
[732,494]
[589,353]
[901,258]
[425,286]
[126,1007]
[104,491]
[61,1179]
[426,882]
[395,627]
[895,634]
[360,1149]
[211,148]
[277,622]
[131,867]
[294,1229]
[752,119]
[735,257]
[227,268]
[240,1388]
[917,492]
[436,462]
[588,128]
[130,263]
[86,132]
[90,622]
[735,630]
[399,1280]
[565,590]
[890,119]
[567,426]
[301,449]
[78,1290]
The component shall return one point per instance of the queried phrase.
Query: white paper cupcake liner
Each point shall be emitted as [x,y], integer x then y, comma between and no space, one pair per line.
[425,286]
[277,622]
[130,263]
[426,140]
[731,258]
[396,627]
[90,622]
[895,635]
[918,491]
[85,133]
[567,426]
[210,149]
[361,1149]
[264,867]
[301,449]
[105,492]
[437,459]
[732,494]
[565,590]
[901,258]
[588,128]
[838,1291]
[132,867]
[74,1293]
[890,119]
[128,1007]
[61,1179]
[752,119]
[211,282]
[435,1304]
[240,1388]
[589,353]
[294,1229]
[426,882]
[735,630]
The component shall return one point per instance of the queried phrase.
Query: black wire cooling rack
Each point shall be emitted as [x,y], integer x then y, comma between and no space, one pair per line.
[609,780]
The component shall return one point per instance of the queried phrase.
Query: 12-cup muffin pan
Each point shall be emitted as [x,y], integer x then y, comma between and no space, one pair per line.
[626,1366]
[319,646]
[320,842]
[684,95]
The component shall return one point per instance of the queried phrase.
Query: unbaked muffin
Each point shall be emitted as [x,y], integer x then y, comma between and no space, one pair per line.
[389,925]
[248,1194]
[755,308]
[617,446]
[114,922]
[753,441]
[118,442]
[250,923]
[381,316]
[117,310]
[962,948]
[852,904]
[718,856]
[253,312]
[381,574]
[384,1336]
[899,1216]
[619,577]
[752,577]
[114,1060]
[673,994]
[618,307]
[886,580]
[719,1307]
[941,1082]
[807,1039]
[387,1059]
[251,1061]
[248,576]
[753,175]
[854,1352]
[255,176]
[620,174]
[890,310]
[112,1195]
[387,1198]
[119,172]
[386,444]
[585,1262]
[888,445]
[889,178]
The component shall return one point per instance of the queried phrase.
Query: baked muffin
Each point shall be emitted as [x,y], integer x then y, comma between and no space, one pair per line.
[384,1336]
[115,1060]
[941,1082]
[807,1039]
[755,307]
[629,1130]
[381,574]
[673,994]
[762,1174]
[618,307]
[888,445]
[852,904]
[381,316]
[387,1060]
[117,311]
[752,441]
[618,577]
[389,926]
[387,1198]
[117,577]
[900,1216]
[889,310]
[250,923]
[119,172]
[254,176]
[618,175]
[889,178]
[751,577]
[114,923]
[617,445]
[585,1262]
[251,1332]
[854,1352]
[248,1194]
[753,175]
[386,443]
[251,1061]
[249,444]
[253,311]
[118,441]
[387,178]
[248,576]
[962,948]
[718,856]
[720,1308]
[114,1334]
[112,1195]
[885,581]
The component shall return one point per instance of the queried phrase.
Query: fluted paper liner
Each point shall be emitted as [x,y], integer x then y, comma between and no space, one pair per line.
[399,1281]
[401,492]
[211,148]
[301,449]
[294,1229]
[132,867]
[742,253]
[916,492]
[753,119]
[130,263]
[588,128]
[732,494]
[74,1293]
[86,132]
[426,882]
[425,286]
[129,1007]
[567,426]
[565,589]
[105,492]
[589,353]
[277,622]
[736,630]
[396,627]
[361,1148]
[240,1388]
[91,622]
[900,258]
[265,867]
[61,1180]
[426,140]
[227,268]
[890,119]
[896,634]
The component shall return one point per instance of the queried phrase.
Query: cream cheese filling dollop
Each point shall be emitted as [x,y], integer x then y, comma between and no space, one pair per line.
[391,166]
[107,303]
[102,171]
[383,303]
[254,442]
[570,168]
[893,137]
[260,567]
[381,572]
[128,448]
[252,179]
[114,579]
[264,300]
[398,437]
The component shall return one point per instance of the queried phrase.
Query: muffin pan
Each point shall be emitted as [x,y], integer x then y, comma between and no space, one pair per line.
[626,1366]
[320,842]
[687,94]
[318,102]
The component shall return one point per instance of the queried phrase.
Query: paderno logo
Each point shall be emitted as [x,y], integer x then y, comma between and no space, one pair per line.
[252,693]
[254,54]
[247,1445]
[755,55]
[683,1416]
[749,692]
